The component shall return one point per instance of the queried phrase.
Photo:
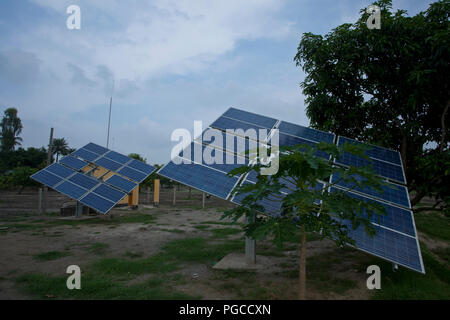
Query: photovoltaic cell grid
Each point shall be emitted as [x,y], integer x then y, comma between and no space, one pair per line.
[386,163]
[396,240]
[87,190]
[99,195]
[114,161]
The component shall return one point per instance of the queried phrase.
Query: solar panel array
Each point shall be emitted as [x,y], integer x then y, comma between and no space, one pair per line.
[68,177]
[396,238]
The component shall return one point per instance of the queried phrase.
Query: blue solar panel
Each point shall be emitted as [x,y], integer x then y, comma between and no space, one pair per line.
[395,218]
[290,141]
[120,158]
[394,193]
[375,151]
[230,142]
[225,123]
[108,164]
[257,119]
[85,154]
[109,193]
[306,133]
[200,177]
[396,238]
[121,183]
[95,148]
[132,174]
[84,181]
[98,203]
[384,169]
[214,158]
[114,161]
[143,167]
[59,170]
[73,162]
[390,245]
[46,178]
[71,190]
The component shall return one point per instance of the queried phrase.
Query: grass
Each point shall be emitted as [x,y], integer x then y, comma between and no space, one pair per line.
[107,277]
[39,225]
[405,284]
[224,232]
[98,248]
[133,255]
[50,255]
[94,286]
[434,224]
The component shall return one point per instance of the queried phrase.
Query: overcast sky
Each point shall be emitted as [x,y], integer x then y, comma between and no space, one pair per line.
[173,62]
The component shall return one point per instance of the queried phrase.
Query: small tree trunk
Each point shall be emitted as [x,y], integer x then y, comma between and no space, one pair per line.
[190,191]
[302,269]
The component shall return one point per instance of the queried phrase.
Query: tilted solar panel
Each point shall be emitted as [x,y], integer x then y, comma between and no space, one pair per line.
[47,178]
[259,120]
[396,238]
[375,152]
[79,186]
[73,162]
[86,154]
[305,132]
[225,123]
[212,157]
[112,161]
[198,176]
[392,193]
[384,162]
[121,183]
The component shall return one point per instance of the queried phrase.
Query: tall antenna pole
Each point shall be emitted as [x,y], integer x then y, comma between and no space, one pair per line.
[109,121]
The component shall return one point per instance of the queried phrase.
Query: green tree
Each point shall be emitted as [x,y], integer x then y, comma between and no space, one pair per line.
[60,147]
[388,87]
[303,205]
[11,127]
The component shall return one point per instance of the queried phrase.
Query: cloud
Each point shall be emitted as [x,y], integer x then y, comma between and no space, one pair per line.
[18,67]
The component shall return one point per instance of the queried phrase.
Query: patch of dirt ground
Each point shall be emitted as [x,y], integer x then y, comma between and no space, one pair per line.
[276,279]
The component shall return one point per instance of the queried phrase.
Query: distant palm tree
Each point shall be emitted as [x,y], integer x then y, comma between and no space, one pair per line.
[11,127]
[60,146]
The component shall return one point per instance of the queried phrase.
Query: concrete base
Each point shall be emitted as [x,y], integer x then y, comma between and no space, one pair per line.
[237,261]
